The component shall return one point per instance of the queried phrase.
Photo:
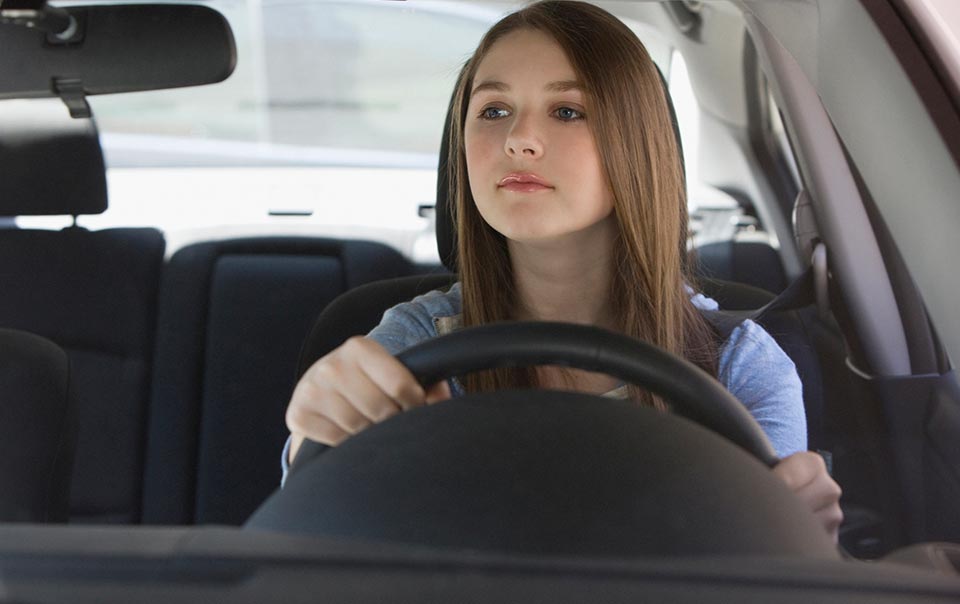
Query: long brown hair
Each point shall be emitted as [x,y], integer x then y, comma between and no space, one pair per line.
[630,120]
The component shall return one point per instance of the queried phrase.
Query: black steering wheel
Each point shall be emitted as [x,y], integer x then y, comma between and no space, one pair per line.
[552,472]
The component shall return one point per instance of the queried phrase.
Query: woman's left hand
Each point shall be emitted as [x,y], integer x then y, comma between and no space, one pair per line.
[806,475]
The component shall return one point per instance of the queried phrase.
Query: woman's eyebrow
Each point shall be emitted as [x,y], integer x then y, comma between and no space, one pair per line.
[497,86]
[490,85]
[564,86]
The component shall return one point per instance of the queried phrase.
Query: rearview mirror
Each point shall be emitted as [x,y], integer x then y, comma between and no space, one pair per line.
[118,48]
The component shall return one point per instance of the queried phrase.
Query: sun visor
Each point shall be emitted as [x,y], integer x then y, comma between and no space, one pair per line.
[116,48]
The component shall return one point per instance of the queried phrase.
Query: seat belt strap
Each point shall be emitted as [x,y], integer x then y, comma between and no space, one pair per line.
[798,294]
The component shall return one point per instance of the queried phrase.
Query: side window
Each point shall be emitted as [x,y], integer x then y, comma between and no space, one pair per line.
[711,209]
[688,115]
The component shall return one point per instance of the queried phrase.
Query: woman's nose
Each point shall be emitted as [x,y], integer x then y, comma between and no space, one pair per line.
[523,140]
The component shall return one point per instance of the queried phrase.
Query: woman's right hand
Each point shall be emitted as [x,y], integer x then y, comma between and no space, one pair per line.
[356,385]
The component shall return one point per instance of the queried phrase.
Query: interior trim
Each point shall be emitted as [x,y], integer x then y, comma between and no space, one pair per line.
[844,224]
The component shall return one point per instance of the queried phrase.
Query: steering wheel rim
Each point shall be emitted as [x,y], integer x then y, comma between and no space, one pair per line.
[692,392]
[547,472]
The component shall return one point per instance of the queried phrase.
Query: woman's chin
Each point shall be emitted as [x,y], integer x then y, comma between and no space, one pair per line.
[540,237]
[556,233]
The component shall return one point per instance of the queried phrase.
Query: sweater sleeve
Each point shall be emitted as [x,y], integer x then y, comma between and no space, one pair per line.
[759,373]
[400,328]
[403,326]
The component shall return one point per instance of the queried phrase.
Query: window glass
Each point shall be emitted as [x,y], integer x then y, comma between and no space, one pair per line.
[331,76]
[685,104]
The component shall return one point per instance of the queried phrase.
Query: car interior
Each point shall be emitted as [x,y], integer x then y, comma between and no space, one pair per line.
[146,378]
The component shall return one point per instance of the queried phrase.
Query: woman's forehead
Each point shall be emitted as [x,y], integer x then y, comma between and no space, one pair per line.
[522,57]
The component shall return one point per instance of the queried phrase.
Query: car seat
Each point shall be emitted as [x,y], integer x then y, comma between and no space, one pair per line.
[232,315]
[91,292]
[39,429]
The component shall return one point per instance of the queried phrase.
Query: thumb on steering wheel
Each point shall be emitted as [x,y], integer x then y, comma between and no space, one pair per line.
[438,392]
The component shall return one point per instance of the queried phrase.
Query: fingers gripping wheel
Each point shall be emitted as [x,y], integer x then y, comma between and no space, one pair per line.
[692,393]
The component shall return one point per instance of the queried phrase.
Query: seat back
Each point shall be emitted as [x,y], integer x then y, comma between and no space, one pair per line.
[742,260]
[93,293]
[38,429]
[231,324]
[359,310]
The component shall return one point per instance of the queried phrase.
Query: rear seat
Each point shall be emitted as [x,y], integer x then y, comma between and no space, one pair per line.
[729,245]
[92,293]
[38,429]
[233,315]
[743,259]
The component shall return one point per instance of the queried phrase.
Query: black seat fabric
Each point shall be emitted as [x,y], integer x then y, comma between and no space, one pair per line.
[741,260]
[734,296]
[38,429]
[94,294]
[91,292]
[358,311]
[231,324]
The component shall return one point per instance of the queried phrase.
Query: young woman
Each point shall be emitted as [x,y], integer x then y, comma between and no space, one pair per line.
[570,206]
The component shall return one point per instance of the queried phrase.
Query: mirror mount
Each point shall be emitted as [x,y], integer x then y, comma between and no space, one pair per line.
[70,91]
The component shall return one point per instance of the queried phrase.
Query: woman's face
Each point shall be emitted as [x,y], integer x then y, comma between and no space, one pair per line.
[533,164]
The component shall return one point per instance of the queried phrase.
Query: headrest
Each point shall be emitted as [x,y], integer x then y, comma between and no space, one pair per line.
[446,229]
[49,163]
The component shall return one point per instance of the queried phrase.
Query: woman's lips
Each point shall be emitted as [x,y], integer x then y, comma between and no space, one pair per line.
[524,183]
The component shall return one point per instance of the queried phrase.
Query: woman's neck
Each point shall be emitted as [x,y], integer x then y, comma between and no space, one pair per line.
[568,279]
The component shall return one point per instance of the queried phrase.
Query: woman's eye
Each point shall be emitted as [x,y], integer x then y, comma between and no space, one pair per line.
[493,113]
[568,114]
